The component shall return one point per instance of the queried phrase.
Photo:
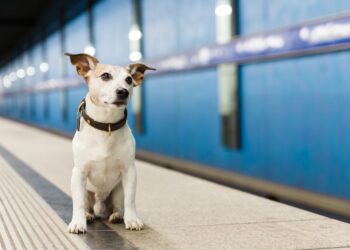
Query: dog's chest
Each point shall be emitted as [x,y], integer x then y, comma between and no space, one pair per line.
[105,157]
[105,174]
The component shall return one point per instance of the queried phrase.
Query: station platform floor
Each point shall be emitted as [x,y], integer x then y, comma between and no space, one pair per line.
[179,211]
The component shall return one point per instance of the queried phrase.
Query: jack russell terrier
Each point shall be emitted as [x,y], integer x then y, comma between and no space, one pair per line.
[103,180]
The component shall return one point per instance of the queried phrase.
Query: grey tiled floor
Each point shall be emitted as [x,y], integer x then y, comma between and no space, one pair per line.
[184,212]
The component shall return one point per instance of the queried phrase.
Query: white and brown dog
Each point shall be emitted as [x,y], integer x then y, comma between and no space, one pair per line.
[103,180]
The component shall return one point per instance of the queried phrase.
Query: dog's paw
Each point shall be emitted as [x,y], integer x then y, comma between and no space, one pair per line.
[133,223]
[89,217]
[76,227]
[115,218]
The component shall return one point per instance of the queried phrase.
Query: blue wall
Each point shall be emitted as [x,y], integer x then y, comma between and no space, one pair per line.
[170,100]
[259,15]
[295,112]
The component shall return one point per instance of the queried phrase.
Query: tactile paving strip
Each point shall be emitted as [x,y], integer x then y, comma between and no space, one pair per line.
[26,221]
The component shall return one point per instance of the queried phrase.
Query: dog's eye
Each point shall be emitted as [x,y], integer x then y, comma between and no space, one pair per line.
[106,76]
[128,80]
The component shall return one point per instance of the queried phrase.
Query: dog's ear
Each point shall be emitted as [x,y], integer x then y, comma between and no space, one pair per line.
[84,63]
[137,71]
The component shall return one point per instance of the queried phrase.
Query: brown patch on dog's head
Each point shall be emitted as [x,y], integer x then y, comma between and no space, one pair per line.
[109,85]
[84,63]
[137,71]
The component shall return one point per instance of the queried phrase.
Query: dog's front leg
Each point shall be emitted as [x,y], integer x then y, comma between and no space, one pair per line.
[129,185]
[78,185]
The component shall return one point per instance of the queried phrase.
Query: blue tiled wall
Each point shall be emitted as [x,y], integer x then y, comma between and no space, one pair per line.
[294,111]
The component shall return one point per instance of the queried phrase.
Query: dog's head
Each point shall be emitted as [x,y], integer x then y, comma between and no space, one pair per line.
[109,85]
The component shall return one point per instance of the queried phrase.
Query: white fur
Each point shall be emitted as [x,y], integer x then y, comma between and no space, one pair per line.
[103,164]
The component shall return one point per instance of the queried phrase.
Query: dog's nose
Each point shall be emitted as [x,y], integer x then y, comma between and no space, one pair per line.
[122,93]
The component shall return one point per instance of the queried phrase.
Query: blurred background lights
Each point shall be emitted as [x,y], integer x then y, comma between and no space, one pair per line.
[21,73]
[90,50]
[135,34]
[135,56]
[7,82]
[30,71]
[13,76]
[44,67]
[223,9]
[304,33]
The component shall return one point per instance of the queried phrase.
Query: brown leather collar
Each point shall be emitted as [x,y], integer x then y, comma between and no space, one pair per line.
[108,127]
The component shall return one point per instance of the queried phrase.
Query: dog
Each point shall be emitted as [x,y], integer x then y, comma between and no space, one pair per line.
[103,182]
